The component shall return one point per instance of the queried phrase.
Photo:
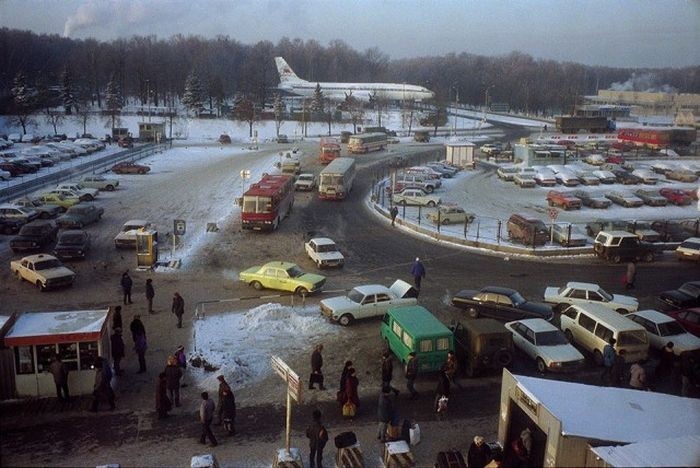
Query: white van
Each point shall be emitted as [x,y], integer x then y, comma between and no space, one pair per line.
[592,325]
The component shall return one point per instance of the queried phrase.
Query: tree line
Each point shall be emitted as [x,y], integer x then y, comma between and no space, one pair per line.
[151,70]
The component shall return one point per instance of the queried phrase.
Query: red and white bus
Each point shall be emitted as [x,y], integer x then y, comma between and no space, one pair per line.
[329,149]
[267,202]
[367,142]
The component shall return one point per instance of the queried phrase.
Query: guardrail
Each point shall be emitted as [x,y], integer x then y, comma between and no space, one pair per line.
[93,166]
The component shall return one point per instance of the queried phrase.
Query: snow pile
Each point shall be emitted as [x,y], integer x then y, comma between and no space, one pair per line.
[239,343]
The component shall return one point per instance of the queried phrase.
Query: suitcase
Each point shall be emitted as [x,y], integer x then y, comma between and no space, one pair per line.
[450,459]
[345,439]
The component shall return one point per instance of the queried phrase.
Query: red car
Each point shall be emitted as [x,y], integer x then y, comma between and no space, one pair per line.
[615,159]
[128,167]
[689,318]
[692,193]
[675,196]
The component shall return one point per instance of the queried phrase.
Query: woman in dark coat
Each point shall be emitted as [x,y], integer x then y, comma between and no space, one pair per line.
[351,384]
[229,410]
[443,386]
[341,387]
[163,403]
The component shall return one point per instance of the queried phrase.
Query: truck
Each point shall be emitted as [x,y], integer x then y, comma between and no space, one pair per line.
[481,344]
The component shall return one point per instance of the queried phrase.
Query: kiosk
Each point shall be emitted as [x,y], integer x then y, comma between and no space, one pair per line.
[146,248]
[460,154]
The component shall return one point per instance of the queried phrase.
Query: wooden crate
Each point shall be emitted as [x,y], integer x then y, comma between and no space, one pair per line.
[349,457]
[398,455]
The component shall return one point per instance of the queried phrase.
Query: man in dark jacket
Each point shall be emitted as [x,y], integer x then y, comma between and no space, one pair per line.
[418,272]
[117,349]
[228,405]
[479,454]
[102,389]
[443,386]
[316,368]
[178,308]
[411,374]
[126,287]
[140,346]
[136,327]
[206,416]
[117,318]
[385,413]
[223,388]
[318,436]
[150,294]
[173,374]
[59,370]
[388,371]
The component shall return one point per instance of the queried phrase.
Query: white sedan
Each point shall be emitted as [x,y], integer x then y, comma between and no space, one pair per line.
[324,252]
[589,293]
[410,196]
[661,329]
[370,300]
[546,344]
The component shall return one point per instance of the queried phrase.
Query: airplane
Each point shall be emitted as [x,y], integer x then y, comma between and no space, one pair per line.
[290,82]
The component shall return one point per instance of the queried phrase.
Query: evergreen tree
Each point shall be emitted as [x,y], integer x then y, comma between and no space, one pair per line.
[24,100]
[317,103]
[113,99]
[68,92]
[217,95]
[194,95]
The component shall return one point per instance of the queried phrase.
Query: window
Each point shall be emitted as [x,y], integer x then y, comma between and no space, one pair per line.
[88,353]
[408,340]
[24,359]
[603,332]
[69,354]
[530,336]
[571,313]
[271,272]
[426,346]
[443,344]
[369,299]
[586,322]
[44,356]
[577,294]
[383,297]
[504,300]
[396,328]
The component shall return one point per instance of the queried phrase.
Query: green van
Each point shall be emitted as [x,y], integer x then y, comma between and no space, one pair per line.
[414,328]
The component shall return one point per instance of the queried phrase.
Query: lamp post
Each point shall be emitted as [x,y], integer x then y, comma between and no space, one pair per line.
[148,98]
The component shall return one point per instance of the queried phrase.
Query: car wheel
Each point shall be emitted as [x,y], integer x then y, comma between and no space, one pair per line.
[319,264]
[256,285]
[473,313]
[18,275]
[648,257]
[616,259]
[301,291]
[431,203]
[345,320]
[569,336]
[89,198]
[40,286]
[402,202]
[597,248]
[445,221]
[109,188]
[44,215]
[503,358]
[541,366]
[597,358]
[429,189]
[622,311]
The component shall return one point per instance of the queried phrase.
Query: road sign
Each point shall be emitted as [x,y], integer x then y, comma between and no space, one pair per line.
[553,213]
[289,376]
[179,227]
[245,174]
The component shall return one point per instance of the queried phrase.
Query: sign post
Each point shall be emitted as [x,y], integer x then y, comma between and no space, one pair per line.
[293,392]
[179,229]
[553,213]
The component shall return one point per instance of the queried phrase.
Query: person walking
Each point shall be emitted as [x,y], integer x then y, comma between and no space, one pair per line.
[223,387]
[418,272]
[608,360]
[388,371]
[102,389]
[173,374]
[118,349]
[385,413]
[318,436]
[178,308]
[479,454]
[394,212]
[163,403]
[59,370]
[411,374]
[442,390]
[228,405]
[351,394]
[617,372]
[150,294]
[117,318]
[340,396]
[451,368]
[667,358]
[136,327]
[127,283]
[206,416]
[140,346]
[181,361]
[316,376]
[630,275]
[638,376]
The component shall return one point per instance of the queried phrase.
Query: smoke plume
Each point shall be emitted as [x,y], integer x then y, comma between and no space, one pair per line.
[644,82]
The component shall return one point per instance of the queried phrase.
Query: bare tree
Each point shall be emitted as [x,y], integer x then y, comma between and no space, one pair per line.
[279,111]
[24,100]
[245,111]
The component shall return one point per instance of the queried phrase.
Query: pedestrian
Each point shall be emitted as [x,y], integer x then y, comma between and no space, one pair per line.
[206,416]
[394,212]
[102,389]
[442,391]
[388,371]
[150,294]
[117,318]
[59,370]
[690,372]
[608,360]
[418,272]
[178,308]
[229,411]
[411,374]
[631,275]
[316,376]
[127,282]
[173,374]
[385,413]
[223,387]
[136,327]
[638,376]
[617,372]
[667,358]
[318,436]
[479,454]
[340,396]
[351,395]
[163,403]
[140,346]
[181,361]
[451,368]
[117,350]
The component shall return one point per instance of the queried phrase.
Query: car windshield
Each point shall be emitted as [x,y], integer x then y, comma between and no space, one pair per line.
[294,271]
[72,239]
[607,296]
[671,328]
[31,231]
[47,264]
[517,299]
[356,296]
[690,289]
[327,248]
[550,338]
[131,227]
[631,338]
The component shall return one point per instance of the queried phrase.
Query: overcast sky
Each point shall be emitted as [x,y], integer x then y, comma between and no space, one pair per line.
[619,33]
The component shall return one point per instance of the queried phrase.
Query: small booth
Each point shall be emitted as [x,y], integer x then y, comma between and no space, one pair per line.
[565,420]
[146,248]
[77,336]
[152,131]
[460,153]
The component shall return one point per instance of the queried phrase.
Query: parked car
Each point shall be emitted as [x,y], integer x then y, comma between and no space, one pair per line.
[546,345]
[605,177]
[651,197]
[126,238]
[587,178]
[85,193]
[371,300]
[670,231]
[692,193]
[34,236]
[616,246]
[682,175]
[324,252]
[10,168]
[594,159]
[594,227]
[643,230]
[10,226]
[648,176]
[128,167]
[663,167]
[491,148]
[42,270]
[499,303]
[689,318]
[566,178]
[481,345]
[507,172]
[46,211]
[527,230]
[415,197]
[72,244]
[685,297]
[423,170]
[625,177]
[689,249]
[568,235]
[100,183]
[675,196]
[70,195]
[79,216]
[591,199]
[525,179]
[283,276]
[545,178]
[450,214]
[57,199]
[662,328]
[564,200]
[624,199]
[575,292]
[20,213]
[305,182]
[420,180]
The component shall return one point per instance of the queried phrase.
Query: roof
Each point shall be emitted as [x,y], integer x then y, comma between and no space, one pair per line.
[137,222]
[609,317]
[654,315]
[537,324]
[680,451]
[579,285]
[614,414]
[322,241]
[283,265]
[268,185]
[460,143]
[57,327]
[499,290]
[36,257]
[372,289]
[483,325]
[419,318]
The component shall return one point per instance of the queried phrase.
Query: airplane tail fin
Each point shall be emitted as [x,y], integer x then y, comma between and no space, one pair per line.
[285,71]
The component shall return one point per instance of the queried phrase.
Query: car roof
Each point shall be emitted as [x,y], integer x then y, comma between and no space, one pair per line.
[284,265]
[322,241]
[372,289]
[536,324]
[136,222]
[35,257]
[579,285]
[71,232]
[618,233]
[498,290]
[653,315]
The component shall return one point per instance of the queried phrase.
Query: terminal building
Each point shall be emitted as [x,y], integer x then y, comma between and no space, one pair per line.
[648,103]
